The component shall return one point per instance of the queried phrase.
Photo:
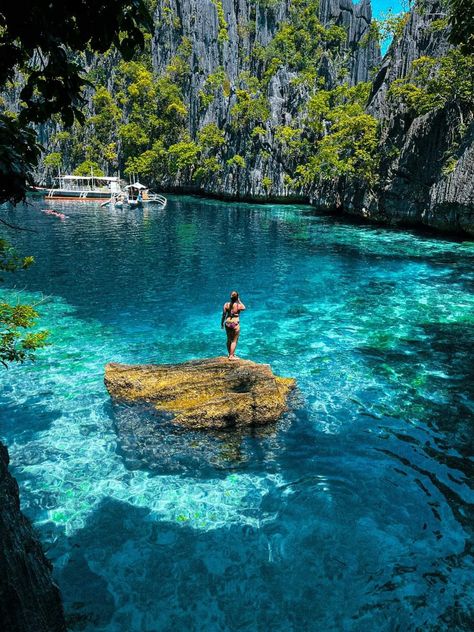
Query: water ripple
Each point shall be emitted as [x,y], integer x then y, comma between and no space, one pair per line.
[354,512]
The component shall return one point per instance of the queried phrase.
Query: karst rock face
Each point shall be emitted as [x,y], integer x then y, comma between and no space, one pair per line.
[213,393]
[29,600]
[415,187]
[251,24]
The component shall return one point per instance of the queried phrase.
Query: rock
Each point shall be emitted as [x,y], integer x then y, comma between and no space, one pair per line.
[252,24]
[29,599]
[211,393]
[427,168]
[418,39]
[356,19]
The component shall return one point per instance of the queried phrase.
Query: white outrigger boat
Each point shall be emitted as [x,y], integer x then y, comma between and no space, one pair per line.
[104,189]
[139,194]
[84,189]
[136,195]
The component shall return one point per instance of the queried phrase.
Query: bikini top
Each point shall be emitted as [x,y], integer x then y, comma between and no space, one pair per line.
[230,313]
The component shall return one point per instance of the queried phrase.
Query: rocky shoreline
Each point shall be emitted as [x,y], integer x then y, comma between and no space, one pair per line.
[30,601]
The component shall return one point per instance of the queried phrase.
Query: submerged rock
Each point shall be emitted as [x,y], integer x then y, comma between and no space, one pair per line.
[211,393]
[29,599]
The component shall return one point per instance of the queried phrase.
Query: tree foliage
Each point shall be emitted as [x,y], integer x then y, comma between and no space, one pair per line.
[432,83]
[16,344]
[461,18]
[345,137]
[387,28]
[148,134]
[44,41]
[300,41]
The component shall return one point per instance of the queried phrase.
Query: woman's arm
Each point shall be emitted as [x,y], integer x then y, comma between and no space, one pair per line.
[241,306]
[224,314]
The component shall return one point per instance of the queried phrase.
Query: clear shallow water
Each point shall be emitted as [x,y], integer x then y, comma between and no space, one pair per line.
[353,513]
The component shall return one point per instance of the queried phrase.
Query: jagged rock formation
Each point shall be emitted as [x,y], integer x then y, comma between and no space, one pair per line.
[356,19]
[29,600]
[228,41]
[415,187]
[211,393]
[252,24]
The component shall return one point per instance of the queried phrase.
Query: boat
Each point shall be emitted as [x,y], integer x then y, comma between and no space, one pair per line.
[84,188]
[105,190]
[118,200]
[157,198]
[139,195]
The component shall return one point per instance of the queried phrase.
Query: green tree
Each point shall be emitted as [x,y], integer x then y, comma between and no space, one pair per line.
[461,18]
[16,344]
[183,155]
[346,137]
[88,168]
[53,161]
[433,83]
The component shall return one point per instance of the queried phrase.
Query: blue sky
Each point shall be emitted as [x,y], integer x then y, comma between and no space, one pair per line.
[382,6]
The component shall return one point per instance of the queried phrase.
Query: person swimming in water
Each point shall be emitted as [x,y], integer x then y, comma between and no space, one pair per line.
[230,319]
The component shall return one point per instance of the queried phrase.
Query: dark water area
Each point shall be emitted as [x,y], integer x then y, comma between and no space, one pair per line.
[354,512]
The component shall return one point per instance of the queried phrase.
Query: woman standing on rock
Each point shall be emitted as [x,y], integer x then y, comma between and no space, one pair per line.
[230,318]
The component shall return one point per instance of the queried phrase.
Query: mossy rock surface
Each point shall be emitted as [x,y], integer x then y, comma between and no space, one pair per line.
[210,393]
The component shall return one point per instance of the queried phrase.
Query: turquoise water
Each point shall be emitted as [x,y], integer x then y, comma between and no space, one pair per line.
[353,513]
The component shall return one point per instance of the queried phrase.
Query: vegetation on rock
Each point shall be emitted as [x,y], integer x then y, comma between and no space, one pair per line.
[461,18]
[433,83]
[16,343]
[139,122]
[163,125]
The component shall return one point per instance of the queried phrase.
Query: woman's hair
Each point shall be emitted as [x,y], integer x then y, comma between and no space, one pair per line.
[234,298]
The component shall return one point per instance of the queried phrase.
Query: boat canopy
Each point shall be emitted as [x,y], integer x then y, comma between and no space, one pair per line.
[104,178]
[136,185]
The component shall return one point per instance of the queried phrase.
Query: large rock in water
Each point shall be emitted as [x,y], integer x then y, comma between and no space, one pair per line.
[29,600]
[211,393]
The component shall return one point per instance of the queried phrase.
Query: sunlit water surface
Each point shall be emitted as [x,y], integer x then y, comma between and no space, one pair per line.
[353,513]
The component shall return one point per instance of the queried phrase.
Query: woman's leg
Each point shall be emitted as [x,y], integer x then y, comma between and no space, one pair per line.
[233,343]
[228,332]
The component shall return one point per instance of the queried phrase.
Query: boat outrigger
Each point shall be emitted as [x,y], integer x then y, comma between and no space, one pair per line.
[84,188]
[136,195]
[106,190]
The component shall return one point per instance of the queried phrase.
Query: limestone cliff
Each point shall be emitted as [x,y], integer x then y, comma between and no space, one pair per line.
[415,186]
[29,600]
[250,25]
[418,186]
[254,70]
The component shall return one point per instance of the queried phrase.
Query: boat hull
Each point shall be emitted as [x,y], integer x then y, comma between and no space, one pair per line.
[78,196]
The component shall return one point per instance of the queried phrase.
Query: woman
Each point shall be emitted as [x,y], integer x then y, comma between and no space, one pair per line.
[230,318]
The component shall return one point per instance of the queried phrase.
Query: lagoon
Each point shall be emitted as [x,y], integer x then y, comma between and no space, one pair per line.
[353,513]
